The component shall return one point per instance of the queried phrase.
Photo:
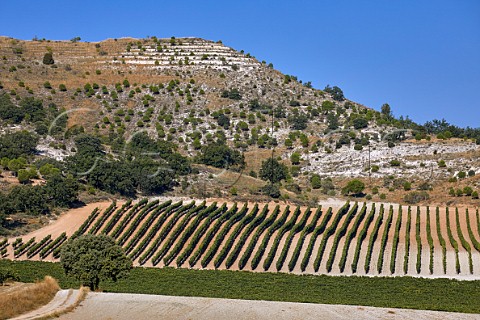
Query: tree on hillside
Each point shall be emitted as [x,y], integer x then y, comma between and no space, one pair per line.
[91,259]
[386,110]
[219,155]
[273,171]
[354,187]
[48,58]
[336,92]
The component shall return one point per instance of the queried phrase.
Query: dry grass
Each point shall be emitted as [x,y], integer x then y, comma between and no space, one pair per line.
[26,299]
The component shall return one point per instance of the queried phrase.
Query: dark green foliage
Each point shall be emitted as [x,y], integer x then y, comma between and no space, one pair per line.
[233,94]
[442,241]
[222,234]
[281,232]
[219,155]
[48,58]
[18,144]
[339,235]
[407,240]
[354,187]
[328,233]
[390,292]
[352,232]
[256,237]
[336,92]
[273,171]
[307,230]
[453,242]
[263,246]
[430,240]
[396,239]
[416,196]
[91,259]
[384,240]
[298,121]
[288,241]
[318,230]
[360,123]
[463,241]
[8,111]
[373,238]
[361,237]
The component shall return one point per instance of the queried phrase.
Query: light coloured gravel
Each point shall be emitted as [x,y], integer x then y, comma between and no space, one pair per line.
[133,306]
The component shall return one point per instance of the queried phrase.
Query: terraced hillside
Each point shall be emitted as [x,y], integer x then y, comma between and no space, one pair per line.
[356,238]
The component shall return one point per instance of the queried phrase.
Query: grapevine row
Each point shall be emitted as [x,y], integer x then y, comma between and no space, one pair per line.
[243,238]
[306,231]
[419,241]
[361,237]
[442,241]
[238,229]
[118,215]
[261,228]
[430,241]
[221,236]
[464,242]
[396,239]
[318,230]
[372,239]
[153,232]
[146,225]
[407,240]
[383,244]
[274,227]
[172,236]
[474,240]
[211,233]
[329,232]
[207,215]
[281,232]
[453,242]
[101,220]
[288,241]
[53,245]
[162,234]
[340,233]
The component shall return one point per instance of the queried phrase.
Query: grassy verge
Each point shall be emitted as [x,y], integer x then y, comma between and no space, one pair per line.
[24,300]
[394,292]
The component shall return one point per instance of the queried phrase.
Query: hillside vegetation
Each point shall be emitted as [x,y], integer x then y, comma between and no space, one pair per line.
[140,117]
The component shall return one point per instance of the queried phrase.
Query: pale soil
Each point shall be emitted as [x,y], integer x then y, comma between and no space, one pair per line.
[67,222]
[132,306]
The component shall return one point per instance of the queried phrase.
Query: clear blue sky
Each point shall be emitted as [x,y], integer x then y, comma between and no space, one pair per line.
[422,57]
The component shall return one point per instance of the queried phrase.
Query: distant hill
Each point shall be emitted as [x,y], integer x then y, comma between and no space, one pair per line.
[191,92]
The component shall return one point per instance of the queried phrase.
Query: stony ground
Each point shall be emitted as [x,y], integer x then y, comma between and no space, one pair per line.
[135,306]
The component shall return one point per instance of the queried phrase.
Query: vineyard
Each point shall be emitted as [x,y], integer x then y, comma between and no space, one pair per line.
[356,238]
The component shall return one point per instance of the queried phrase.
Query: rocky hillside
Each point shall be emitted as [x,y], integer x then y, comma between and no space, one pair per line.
[191,91]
